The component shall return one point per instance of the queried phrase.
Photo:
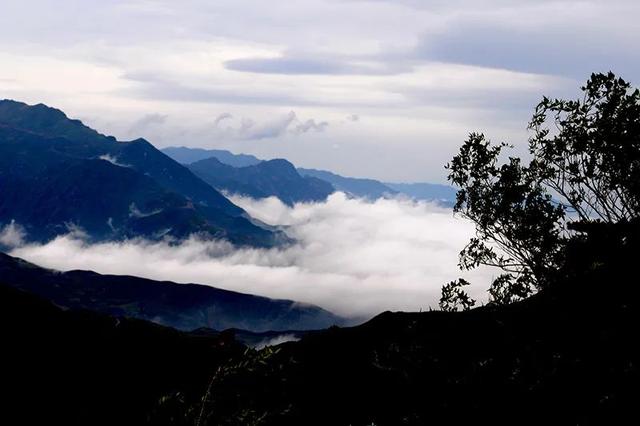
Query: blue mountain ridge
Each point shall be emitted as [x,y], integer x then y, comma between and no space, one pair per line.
[229,179]
[76,177]
[277,178]
[184,155]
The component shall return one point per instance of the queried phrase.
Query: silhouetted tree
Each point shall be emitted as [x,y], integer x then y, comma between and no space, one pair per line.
[591,155]
[585,166]
[454,297]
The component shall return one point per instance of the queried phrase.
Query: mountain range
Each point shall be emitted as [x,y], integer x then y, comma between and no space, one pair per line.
[182,306]
[277,178]
[252,176]
[77,367]
[77,178]
[443,194]
[185,155]
[368,189]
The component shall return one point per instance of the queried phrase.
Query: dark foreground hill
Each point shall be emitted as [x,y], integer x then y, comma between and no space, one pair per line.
[277,178]
[82,368]
[56,174]
[182,306]
[567,356]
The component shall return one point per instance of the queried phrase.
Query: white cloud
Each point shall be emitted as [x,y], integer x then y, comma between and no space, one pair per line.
[113,160]
[12,235]
[276,341]
[352,257]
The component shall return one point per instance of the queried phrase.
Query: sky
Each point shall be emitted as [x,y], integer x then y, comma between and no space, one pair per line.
[381,89]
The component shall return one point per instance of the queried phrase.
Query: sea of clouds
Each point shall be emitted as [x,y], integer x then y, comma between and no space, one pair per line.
[354,257]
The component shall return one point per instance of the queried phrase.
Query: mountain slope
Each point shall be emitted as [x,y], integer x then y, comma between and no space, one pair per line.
[182,306]
[186,155]
[566,356]
[363,188]
[84,368]
[277,178]
[145,158]
[444,194]
[46,121]
[40,145]
[369,189]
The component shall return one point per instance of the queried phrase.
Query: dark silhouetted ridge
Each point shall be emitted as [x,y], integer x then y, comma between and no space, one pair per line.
[182,306]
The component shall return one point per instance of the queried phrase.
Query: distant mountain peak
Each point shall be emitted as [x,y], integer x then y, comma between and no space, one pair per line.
[73,174]
[276,177]
[186,155]
[46,121]
[220,168]
[279,165]
[278,161]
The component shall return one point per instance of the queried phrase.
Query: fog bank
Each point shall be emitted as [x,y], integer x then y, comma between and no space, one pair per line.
[353,257]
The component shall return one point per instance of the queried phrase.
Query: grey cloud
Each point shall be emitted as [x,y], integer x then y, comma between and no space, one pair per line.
[327,66]
[311,125]
[439,5]
[152,87]
[290,123]
[506,101]
[140,126]
[285,66]
[250,129]
[222,117]
[567,46]
[270,129]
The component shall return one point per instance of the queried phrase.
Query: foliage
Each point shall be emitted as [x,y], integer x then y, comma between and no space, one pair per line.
[592,159]
[251,362]
[585,165]
[220,404]
[453,297]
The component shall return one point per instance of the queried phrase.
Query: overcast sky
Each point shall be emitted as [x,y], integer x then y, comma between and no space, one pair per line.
[384,89]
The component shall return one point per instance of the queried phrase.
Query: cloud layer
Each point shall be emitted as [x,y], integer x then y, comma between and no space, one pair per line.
[420,74]
[353,257]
